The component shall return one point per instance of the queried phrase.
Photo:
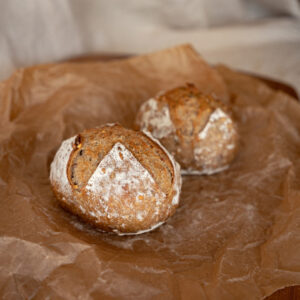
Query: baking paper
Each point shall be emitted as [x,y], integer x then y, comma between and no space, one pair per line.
[235,234]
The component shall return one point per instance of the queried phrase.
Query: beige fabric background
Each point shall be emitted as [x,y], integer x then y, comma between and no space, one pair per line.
[261,36]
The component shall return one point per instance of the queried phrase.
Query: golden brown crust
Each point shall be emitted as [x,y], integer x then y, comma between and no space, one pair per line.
[126,205]
[97,142]
[190,112]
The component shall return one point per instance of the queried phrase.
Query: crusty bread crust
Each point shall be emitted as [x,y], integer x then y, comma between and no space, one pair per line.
[179,116]
[120,180]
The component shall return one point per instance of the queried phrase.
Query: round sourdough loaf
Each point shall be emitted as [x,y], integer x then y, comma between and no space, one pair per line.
[120,180]
[196,129]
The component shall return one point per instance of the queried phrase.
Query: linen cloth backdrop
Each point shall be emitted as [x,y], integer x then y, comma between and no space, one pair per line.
[261,36]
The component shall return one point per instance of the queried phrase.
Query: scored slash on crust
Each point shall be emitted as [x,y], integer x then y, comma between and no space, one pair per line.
[118,174]
[194,127]
[128,175]
[176,168]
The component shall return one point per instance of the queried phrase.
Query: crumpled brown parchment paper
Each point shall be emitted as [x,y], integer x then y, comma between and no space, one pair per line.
[235,234]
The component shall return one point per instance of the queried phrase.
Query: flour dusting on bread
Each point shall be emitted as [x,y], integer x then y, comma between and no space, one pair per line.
[196,128]
[158,119]
[120,174]
[215,116]
[117,179]
[218,136]
[58,171]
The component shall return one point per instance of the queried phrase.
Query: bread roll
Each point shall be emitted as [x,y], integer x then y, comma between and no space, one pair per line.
[119,180]
[196,129]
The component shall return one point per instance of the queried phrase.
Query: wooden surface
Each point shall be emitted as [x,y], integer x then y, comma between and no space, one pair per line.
[288,293]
